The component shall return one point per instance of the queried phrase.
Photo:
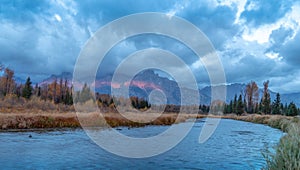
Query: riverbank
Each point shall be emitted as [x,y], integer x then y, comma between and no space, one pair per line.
[9,121]
[70,120]
[274,121]
[287,151]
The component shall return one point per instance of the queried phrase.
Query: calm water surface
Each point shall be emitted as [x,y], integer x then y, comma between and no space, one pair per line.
[234,145]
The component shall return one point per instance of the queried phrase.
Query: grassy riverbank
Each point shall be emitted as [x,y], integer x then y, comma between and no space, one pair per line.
[286,156]
[70,120]
[287,151]
[274,121]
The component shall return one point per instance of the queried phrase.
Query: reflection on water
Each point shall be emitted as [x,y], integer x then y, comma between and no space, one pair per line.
[234,145]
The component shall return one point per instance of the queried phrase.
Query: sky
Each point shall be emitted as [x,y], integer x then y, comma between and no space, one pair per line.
[255,39]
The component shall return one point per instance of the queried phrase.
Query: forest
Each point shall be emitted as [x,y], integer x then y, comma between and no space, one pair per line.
[58,96]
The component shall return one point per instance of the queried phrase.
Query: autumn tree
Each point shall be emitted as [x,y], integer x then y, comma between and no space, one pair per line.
[252,95]
[7,82]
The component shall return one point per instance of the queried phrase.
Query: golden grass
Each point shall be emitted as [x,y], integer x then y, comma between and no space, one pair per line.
[71,119]
[275,121]
[287,152]
[46,120]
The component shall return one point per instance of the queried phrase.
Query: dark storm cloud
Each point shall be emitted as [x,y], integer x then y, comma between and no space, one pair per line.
[291,51]
[40,38]
[34,40]
[279,36]
[217,23]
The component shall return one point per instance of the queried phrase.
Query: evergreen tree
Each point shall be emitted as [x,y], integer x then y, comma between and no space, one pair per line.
[276,106]
[266,102]
[85,94]
[282,108]
[230,109]
[225,109]
[27,90]
[285,109]
[240,106]
[144,104]
[234,104]
[36,89]
[39,92]
[292,110]
[256,108]
[68,99]
[245,105]
[260,107]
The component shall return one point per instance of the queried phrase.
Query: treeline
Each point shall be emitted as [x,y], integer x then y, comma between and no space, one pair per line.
[108,103]
[58,96]
[250,102]
[55,92]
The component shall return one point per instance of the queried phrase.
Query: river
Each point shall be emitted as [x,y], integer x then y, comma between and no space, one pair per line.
[234,145]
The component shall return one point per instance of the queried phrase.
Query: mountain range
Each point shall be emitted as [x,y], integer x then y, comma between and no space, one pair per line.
[145,82]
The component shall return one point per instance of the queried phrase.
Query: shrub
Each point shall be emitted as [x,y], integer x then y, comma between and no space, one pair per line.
[287,152]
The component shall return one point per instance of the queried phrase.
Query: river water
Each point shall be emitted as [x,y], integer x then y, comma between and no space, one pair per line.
[234,145]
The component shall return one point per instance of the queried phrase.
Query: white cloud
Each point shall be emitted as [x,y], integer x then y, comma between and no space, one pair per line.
[252,6]
[274,56]
[67,5]
[57,17]
[178,7]
[262,33]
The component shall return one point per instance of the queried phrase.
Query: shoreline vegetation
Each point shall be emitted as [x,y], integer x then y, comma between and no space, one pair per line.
[14,121]
[51,105]
[286,155]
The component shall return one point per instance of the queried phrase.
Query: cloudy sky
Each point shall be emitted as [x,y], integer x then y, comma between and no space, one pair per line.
[255,39]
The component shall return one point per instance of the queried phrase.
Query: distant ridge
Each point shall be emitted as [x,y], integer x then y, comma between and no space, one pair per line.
[146,81]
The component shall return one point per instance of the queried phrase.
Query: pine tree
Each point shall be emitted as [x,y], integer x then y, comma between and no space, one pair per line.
[292,110]
[230,107]
[266,102]
[245,104]
[285,109]
[234,104]
[27,90]
[225,109]
[39,92]
[276,106]
[256,108]
[240,106]
[85,94]
[260,107]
